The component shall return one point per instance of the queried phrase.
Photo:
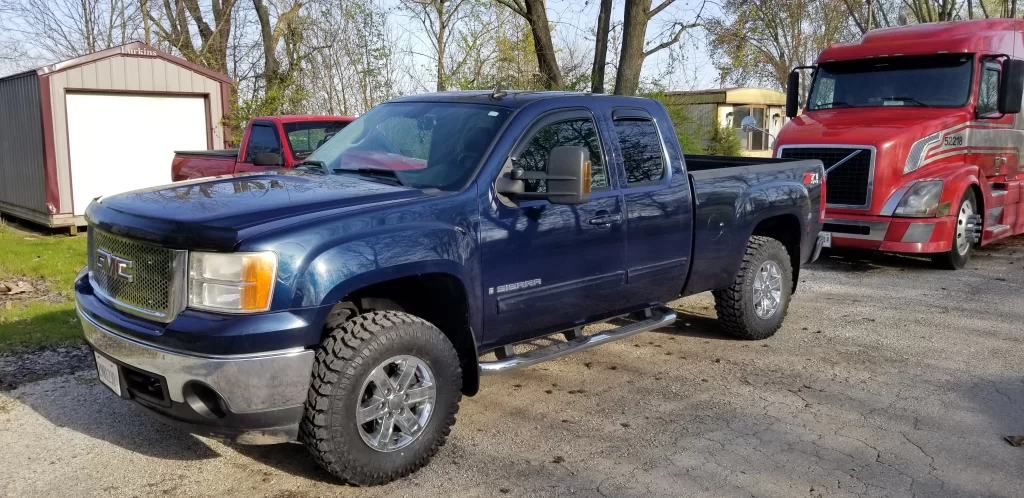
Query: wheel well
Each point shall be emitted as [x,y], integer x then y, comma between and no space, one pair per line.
[786,229]
[438,298]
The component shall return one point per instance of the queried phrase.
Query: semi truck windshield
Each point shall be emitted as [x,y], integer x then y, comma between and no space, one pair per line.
[912,81]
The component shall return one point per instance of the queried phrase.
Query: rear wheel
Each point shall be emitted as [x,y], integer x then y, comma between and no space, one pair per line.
[754,306]
[386,386]
[962,245]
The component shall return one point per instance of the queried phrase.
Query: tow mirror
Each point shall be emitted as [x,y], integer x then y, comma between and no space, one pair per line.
[266,159]
[567,178]
[1011,87]
[793,94]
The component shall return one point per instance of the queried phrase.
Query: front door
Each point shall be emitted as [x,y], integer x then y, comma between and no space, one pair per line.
[263,137]
[552,266]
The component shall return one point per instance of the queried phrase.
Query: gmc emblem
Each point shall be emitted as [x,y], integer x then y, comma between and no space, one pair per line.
[114,266]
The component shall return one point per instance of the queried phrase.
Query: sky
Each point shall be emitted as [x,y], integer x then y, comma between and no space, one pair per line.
[573,22]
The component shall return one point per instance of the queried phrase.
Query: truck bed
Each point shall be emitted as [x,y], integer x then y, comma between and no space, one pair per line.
[731,196]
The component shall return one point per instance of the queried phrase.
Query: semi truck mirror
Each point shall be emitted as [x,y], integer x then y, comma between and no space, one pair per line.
[793,94]
[568,175]
[266,159]
[1011,87]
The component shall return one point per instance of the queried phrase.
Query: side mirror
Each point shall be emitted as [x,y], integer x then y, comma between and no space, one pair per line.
[793,94]
[748,124]
[266,159]
[567,177]
[1011,87]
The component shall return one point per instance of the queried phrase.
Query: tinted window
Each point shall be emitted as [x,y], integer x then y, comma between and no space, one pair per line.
[988,91]
[574,133]
[641,151]
[933,80]
[261,139]
[307,136]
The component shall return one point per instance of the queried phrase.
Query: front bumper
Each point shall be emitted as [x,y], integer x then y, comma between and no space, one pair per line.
[249,398]
[891,234]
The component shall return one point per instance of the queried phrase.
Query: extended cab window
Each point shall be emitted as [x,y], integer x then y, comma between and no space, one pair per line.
[988,90]
[641,149]
[262,139]
[569,133]
[307,136]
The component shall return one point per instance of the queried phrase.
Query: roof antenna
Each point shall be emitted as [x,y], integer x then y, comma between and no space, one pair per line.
[498,92]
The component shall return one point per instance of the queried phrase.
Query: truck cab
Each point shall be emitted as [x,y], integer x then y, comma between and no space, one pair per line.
[920,133]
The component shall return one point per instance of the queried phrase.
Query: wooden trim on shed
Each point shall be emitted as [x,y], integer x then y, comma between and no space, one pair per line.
[140,49]
[49,148]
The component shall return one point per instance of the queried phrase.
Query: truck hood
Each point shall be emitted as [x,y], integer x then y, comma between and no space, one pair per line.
[880,127]
[209,213]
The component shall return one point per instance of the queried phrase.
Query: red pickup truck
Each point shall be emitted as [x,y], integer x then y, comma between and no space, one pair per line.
[269,142]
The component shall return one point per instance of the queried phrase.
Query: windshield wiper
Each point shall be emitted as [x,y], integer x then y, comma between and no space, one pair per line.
[313,163]
[912,100]
[373,173]
[830,105]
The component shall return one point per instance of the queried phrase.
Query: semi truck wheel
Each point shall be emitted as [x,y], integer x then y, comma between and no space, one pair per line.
[754,306]
[386,387]
[962,247]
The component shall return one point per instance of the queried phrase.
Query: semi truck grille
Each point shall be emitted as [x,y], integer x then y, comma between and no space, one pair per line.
[849,185]
[141,279]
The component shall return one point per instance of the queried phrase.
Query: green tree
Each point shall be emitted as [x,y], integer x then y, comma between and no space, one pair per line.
[723,142]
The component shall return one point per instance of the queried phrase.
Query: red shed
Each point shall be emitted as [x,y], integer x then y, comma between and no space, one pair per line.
[101,124]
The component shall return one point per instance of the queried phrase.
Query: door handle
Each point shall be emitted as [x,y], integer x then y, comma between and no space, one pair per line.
[604,218]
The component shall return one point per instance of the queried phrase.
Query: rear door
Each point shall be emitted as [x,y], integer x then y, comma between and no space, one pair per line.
[658,206]
[549,266]
[262,137]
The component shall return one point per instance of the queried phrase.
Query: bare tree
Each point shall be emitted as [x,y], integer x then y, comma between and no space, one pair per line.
[601,46]
[62,29]
[635,49]
[535,13]
[440,20]
[174,26]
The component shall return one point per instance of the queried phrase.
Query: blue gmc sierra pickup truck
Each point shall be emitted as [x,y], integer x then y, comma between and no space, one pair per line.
[350,305]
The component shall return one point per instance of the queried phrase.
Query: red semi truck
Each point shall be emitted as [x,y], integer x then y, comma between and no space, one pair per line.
[269,142]
[920,131]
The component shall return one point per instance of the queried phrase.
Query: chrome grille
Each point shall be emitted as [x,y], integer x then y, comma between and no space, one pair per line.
[849,185]
[155,290]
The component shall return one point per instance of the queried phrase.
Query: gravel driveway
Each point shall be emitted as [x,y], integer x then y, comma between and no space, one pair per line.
[888,379]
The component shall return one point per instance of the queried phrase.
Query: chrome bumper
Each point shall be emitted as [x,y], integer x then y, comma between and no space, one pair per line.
[247,383]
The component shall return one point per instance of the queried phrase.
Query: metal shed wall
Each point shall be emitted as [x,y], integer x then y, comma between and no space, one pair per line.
[22,174]
[120,74]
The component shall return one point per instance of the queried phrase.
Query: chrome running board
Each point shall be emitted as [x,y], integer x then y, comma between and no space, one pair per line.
[659,317]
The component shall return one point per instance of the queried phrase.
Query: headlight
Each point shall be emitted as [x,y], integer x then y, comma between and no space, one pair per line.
[922,200]
[233,282]
[917,152]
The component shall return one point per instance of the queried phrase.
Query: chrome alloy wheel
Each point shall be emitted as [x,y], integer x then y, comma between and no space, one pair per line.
[963,243]
[767,290]
[395,403]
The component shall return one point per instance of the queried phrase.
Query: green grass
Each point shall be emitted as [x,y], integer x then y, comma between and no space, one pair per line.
[27,324]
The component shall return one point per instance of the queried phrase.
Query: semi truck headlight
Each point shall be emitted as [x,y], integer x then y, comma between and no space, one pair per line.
[922,200]
[232,282]
[916,155]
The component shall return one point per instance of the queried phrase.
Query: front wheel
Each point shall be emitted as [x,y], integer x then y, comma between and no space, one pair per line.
[754,306]
[386,387]
[962,245]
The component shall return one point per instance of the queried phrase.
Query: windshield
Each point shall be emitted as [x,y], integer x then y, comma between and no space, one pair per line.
[918,81]
[305,136]
[426,144]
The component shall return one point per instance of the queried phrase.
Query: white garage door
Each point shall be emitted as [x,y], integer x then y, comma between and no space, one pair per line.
[126,142]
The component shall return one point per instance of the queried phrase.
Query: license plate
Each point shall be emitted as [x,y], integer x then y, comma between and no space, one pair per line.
[826,239]
[108,373]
